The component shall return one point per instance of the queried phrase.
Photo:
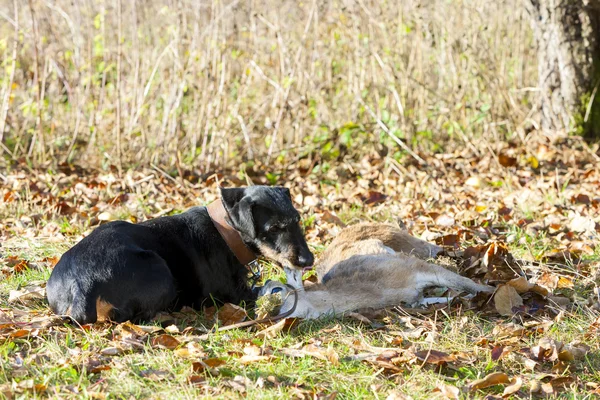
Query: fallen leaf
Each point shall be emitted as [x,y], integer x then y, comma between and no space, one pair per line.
[313,351]
[474,182]
[196,380]
[154,375]
[230,314]
[330,217]
[451,240]
[434,357]
[373,197]
[110,351]
[165,342]
[27,294]
[191,350]
[562,382]
[445,220]
[24,333]
[508,330]
[505,299]
[506,161]
[273,330]
[547,349]
[249,359]
[448,391]
[498,352]
[20,267]
[515,385]
[520,284]
[106,216]
[51,261]
[207,364]
[581,199]
[580,223]
[495,378]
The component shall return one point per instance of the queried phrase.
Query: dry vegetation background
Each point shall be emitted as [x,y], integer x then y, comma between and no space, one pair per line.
[419,112]
[214,83]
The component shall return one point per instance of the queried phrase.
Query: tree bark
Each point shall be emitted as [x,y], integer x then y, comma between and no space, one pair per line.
[567,34]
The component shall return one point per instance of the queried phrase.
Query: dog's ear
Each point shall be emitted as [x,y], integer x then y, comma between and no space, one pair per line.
[239,208]
[287,192]
[231,196]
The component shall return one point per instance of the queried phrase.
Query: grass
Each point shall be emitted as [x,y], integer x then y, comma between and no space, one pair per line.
[58,359]
[215,84]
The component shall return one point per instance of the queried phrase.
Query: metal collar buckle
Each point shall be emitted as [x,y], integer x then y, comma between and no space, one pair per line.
[254,271]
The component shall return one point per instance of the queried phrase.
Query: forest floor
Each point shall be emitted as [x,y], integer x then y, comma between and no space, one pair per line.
[525,219]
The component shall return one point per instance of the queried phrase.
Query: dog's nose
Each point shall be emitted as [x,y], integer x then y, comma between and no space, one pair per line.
[305,260]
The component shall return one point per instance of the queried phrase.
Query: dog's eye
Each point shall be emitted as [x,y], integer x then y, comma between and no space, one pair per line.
[276,290]
[274,228]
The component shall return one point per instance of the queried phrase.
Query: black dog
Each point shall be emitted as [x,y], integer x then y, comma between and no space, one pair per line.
[125,271]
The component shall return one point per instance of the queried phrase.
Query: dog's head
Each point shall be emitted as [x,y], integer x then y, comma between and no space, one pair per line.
[268,223]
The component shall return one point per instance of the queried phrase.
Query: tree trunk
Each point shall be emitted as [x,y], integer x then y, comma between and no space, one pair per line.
[567,33]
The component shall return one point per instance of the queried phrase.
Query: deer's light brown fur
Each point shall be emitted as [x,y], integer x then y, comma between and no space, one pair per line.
[372,266]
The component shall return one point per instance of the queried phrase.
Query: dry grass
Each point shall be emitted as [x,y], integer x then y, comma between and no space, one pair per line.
[213,83]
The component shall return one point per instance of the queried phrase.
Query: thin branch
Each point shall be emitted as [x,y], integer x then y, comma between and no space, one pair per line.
[8,89]
[119,56]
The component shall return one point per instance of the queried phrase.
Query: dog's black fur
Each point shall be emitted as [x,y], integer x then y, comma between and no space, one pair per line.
[169,262]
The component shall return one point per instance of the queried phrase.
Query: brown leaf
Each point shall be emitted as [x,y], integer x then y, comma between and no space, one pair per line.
[165,342]
[313,351]
[520,284]
[273,330]
[249,359]
[330,217]
[434,357]
[230,314]
[24,333]
[20,267]
[495,378]
[207,364]
[191,350]
[547,349]
[328,354]
[129,330]
[497,352]
[474,182]
[110,351]
[197,380]
[373,197]
[562,382]
[154,374]
[506,161]
[506,299]
[515,385]
[449,240]
[385,364]
[445,220]
[448,391]
[51,261]
[581,199]
[99,368]
[27,294]
[508,330]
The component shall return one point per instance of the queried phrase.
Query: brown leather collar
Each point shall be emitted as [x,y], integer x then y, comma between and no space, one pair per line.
[232,237]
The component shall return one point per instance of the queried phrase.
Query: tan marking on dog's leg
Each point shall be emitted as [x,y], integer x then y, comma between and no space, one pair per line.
[103,309]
